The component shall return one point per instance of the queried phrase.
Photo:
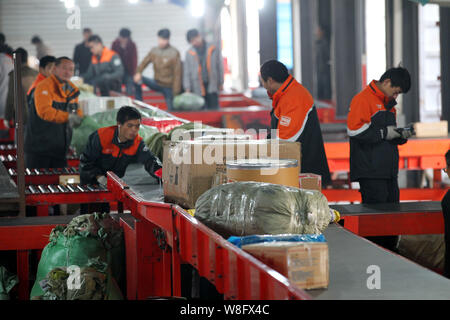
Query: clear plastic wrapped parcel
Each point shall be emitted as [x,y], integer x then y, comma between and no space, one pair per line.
[248,208]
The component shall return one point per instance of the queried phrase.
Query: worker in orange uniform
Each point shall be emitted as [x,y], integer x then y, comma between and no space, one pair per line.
[374,137]
[46,66]
[106,69]
[295,118]
[113,149]
[54,112]
[374,140]
[446,212]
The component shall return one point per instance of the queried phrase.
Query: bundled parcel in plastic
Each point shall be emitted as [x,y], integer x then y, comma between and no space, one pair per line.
[93,241]
[254,208]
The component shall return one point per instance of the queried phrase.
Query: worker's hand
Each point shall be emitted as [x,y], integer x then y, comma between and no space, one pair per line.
[74,120]
[391,133]
[406,134]
[102,180]
[137,77]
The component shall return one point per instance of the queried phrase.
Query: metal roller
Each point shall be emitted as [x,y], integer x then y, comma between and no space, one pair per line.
[28,172]
[10,158]
[42,188]
[63,188]
[11,172]
[71,188]
[36,172]
[53,189]
[82,189]
[91,188]
[33,189]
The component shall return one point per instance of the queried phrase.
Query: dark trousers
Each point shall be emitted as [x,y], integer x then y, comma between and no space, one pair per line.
[106,85]
[130,86]
[446,213]
[211,101]
[381,191]
[152,84]
[37,161]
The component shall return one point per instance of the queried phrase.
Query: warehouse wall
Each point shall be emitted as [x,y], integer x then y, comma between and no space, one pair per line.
[21,19]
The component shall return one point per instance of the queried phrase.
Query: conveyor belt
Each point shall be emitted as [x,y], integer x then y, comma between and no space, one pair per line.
[143,184]
[8,189]
[350,256]
[384,208]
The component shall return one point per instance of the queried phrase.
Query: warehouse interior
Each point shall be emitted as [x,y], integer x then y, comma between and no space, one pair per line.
[210,150]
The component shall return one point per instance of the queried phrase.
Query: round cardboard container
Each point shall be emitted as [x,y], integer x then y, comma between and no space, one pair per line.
[283,171]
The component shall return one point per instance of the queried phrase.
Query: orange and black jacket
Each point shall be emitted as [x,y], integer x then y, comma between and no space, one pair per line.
[48,132]
[107,67]
[295,117]
[371,156]
[104,153]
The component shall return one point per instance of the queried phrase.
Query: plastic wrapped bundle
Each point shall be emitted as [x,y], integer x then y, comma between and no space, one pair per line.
[249,208]
[188,101]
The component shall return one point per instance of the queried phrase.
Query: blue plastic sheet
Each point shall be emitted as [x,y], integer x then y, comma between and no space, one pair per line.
[242,241]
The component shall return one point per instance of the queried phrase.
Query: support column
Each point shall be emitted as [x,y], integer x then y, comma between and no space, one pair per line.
[268,31]
[347,52]
[444,13]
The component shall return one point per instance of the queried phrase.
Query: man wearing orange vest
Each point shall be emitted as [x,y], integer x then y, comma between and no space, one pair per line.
[53,113]
[203,69]
[374,137]
[114,148]
[294,116]
[106,70]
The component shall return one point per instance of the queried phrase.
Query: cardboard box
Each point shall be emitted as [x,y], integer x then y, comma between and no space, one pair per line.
[189,167]
[431,129]
[69,179]
[304,264]
[310,181]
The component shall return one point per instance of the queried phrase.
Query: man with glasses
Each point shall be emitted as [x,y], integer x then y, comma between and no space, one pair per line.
[446,213]
[374,139]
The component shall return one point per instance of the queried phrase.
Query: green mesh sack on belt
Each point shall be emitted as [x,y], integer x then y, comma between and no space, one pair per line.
[188,101]
[94,282]
[248,208]
[86,237]
[7,282]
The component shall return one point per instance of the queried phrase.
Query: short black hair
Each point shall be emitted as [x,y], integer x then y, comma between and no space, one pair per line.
[125,33]
[46,60]
[2,38]
[85,30]
[36,39]
[275,70]
[127,113]
[95,38]
[164,33]
[399,77]
[60,59]
[191,34]
[23,54]
[447,158]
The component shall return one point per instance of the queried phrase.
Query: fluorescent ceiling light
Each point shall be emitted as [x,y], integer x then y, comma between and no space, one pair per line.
[94,3]
[69,4]
[197,8]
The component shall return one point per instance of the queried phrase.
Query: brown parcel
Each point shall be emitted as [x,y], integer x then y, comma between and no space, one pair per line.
[310,181]
[185,182]
[304,264]
[431,129]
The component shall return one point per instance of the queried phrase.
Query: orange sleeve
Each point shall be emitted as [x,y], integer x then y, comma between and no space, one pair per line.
[359,115]
[44,105]
[292,119]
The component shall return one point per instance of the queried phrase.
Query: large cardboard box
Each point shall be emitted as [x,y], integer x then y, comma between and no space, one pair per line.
[304,264]
[310,181]
[431,129]
[189,167]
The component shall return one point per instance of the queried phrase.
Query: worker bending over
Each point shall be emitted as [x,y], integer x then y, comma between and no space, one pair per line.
[106,69]
[294,116]
[54,111]
[114,148]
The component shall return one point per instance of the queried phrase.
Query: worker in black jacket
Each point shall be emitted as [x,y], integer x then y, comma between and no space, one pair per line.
[114,148]
[106,69]
[446,212]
